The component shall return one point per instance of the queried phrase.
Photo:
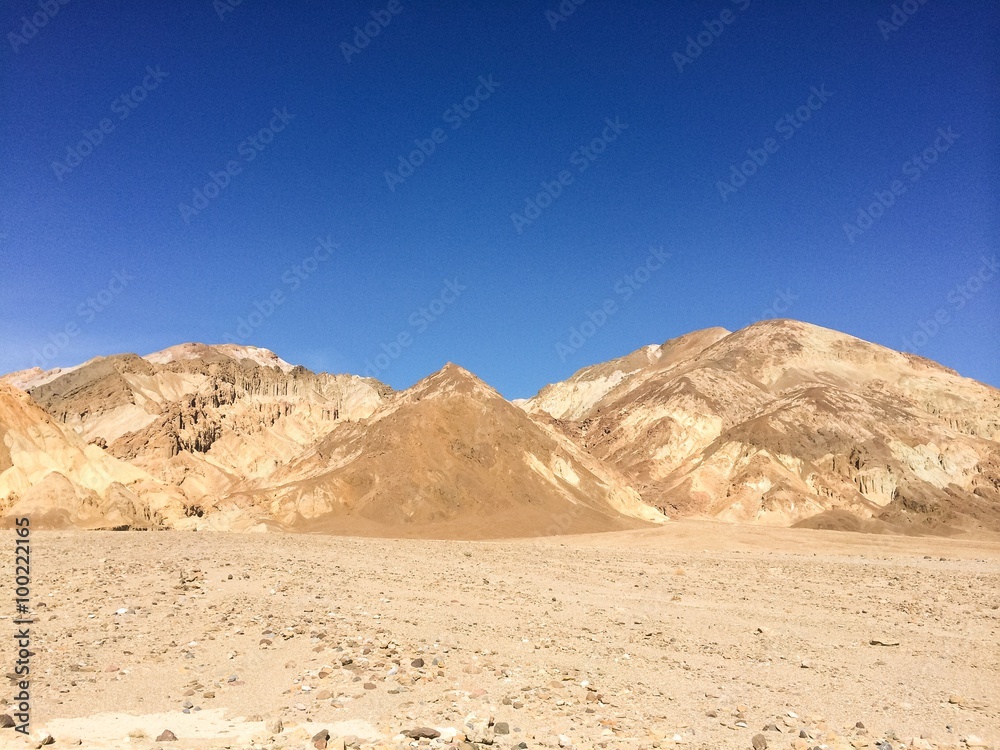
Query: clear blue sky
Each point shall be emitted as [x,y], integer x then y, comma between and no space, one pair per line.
[182,90]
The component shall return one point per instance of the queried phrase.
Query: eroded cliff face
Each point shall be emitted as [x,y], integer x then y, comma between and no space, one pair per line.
[52,475]
[203,418]
[782,421]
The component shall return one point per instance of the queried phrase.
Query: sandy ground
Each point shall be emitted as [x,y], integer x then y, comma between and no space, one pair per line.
[696,634]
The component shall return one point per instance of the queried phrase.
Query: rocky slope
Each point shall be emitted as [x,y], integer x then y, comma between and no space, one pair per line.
[202,418]
[447,457]
[54,476]
[785,421]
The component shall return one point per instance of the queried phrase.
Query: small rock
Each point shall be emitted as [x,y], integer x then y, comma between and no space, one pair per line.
[320,739]
[6,721]
[420,733]
[166,736]
[501,727]
[418,663]
[772,728]
[369,686]
[564,741]
[275,727]
[974,741]
[759,742]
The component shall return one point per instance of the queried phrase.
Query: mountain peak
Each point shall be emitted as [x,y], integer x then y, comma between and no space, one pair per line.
[196,350]
[452,379]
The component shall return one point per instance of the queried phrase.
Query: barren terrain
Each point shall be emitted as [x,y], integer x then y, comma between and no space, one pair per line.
[693,634]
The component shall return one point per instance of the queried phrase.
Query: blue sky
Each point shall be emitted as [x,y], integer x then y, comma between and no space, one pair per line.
[383,187]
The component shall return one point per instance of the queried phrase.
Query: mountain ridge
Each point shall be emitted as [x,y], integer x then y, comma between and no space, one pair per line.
[780,423]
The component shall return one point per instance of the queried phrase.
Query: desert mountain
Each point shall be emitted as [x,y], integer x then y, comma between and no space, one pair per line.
[51,474]
[448,456]
[201,418]
[780,423]
[785,422]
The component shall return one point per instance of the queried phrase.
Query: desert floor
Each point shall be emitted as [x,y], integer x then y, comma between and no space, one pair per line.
[697,634]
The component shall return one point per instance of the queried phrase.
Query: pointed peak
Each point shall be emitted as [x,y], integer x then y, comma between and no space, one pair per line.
[451,378]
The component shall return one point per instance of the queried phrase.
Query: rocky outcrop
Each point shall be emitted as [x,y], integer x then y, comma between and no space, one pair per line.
[202,418]
[783,420]
[52,475]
